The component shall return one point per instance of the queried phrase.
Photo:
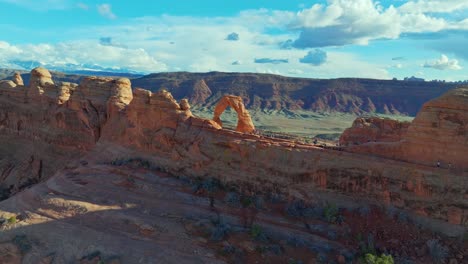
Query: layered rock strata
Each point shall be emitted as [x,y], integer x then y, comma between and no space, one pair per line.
[106,117]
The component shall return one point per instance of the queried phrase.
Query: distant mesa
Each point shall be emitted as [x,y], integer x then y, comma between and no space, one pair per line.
[414,79]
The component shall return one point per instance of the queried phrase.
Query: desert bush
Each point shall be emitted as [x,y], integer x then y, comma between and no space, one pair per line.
[330,213]
[382,259]
[258,233]
[437,251]
[12,220]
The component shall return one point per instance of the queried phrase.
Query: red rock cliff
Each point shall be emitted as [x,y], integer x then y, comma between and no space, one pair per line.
[438,133]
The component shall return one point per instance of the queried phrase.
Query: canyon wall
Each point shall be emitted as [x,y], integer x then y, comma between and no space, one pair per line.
[107,120]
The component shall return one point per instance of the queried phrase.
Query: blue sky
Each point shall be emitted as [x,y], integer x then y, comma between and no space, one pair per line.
[318,39]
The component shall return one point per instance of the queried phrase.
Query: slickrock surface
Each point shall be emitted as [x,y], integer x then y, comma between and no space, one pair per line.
[70,137]
[372,129]
[244,122]
[438,133]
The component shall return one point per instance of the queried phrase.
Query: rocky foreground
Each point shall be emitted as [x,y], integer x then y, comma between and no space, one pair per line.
[100,172]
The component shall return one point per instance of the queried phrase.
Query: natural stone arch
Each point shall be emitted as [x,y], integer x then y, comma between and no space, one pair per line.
[244,122]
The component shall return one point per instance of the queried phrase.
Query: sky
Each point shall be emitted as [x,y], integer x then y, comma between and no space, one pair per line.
[314,39]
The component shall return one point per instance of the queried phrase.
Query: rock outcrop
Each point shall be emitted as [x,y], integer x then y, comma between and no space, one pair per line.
[244,121]
[438,133]
[40,80]
[105,120]
[18,79]
[372,129]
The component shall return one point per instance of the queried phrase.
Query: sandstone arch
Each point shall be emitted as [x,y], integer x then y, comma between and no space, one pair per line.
[244,122]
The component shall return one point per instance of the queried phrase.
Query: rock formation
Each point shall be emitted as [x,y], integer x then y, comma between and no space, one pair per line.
[373,129]
[268,92]
[18,79]
[244,121]
[40,80]
[438,133]
[70,139]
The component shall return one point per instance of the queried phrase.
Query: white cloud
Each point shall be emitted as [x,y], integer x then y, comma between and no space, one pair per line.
[434,6]
[443,63]
[82,52]
[106,11]
[343,22]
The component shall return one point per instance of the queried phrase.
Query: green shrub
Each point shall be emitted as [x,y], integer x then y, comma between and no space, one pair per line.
[374,259]
[12,220]
[331,213]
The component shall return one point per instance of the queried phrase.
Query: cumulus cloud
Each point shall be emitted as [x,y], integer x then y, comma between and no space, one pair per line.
[343,22]
[236,62]
[232,37]
[434,6]
[82,52]
[106,11]
[269,60]
[316,57]
[443,63]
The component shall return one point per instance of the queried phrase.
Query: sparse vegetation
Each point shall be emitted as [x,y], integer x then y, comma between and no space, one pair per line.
[330,213]
[257,233]
[382,259]
[12,220]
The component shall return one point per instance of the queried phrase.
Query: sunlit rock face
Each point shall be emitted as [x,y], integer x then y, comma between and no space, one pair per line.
[46,126]
[439,133]
[244,122]
[373,129]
